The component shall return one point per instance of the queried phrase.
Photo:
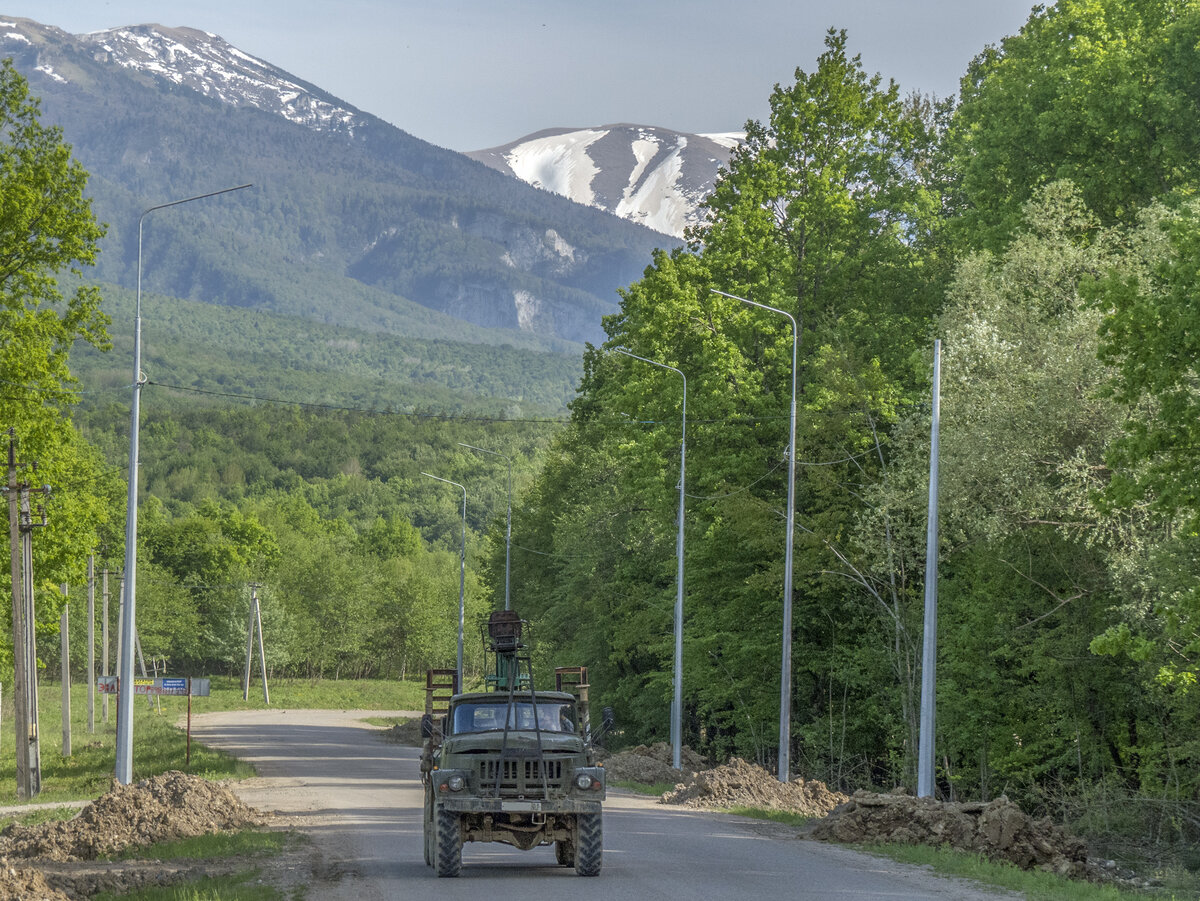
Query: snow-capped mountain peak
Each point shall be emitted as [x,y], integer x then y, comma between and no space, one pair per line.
[654,176]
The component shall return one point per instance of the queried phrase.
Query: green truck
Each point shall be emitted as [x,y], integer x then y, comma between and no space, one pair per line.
[511,764]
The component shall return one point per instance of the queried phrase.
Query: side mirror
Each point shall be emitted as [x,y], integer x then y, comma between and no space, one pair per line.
[607,719]
[426,726]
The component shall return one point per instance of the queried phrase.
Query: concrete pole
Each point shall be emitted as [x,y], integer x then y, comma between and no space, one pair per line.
[104,641]
[91,644]
[64,628]
[925,750]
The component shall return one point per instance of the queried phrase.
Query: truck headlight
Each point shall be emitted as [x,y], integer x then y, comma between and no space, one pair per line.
[456,783]
[584,781]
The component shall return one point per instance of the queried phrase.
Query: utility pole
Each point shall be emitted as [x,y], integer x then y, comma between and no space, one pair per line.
[21,526]
[91,643]
[64,630]
[255,619]
[104,641]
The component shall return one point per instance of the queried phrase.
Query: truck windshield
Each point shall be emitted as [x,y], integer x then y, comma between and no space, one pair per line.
[488,716]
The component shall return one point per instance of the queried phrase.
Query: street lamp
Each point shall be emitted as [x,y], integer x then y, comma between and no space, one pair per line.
[785,689]
[677,699]
[462,573]
[508,527]
[124,765]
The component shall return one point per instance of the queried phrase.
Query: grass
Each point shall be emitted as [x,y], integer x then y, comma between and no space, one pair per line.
[240,887]
[206,847]
[1036,885]
[787,818]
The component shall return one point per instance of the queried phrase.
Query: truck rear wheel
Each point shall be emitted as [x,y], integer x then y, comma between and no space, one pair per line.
[589,848]
[447,844]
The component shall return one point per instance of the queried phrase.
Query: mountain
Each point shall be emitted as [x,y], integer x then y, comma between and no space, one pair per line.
[351,221]
[653,176]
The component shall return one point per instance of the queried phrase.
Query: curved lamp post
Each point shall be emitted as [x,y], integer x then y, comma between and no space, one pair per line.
[124,765]
[508,527]
[785,690]
[462,573]
[677,699]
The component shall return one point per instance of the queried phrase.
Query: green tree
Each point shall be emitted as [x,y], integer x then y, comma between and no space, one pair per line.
[1103,93]
[822,213]
[47,232]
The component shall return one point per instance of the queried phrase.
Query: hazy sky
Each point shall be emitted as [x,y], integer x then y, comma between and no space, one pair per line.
[470,74]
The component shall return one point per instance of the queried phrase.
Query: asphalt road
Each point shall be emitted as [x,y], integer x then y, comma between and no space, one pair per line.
[359,799]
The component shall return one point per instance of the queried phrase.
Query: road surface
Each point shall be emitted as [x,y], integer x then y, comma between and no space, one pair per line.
[359,799]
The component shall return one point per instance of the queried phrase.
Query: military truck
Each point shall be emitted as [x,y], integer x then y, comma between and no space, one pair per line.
[512,764]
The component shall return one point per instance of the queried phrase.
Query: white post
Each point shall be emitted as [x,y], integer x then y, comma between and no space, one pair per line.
[925,753]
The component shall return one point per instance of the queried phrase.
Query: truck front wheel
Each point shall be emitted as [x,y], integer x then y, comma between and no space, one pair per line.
[447,843]
[589,847]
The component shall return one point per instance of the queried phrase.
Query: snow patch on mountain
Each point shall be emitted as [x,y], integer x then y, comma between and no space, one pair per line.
[653,176]
[558,163]
[207,64]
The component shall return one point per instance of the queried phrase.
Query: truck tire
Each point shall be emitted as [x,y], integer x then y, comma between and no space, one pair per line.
[447,844]
[589,847]
[564,853]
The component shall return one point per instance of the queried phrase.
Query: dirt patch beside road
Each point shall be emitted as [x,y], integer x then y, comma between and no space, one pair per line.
[59,860]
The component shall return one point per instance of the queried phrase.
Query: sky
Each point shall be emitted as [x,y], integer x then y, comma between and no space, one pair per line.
[473,74]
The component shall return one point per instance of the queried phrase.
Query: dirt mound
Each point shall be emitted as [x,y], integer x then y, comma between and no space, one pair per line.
[742,784]
[651,764]
[26,885]
[165,808]
[998,830]
[405,732]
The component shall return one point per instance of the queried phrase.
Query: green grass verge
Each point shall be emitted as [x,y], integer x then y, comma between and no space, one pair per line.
[787,818]
[249,842]
[1035,885]
[240,887]
[159,745]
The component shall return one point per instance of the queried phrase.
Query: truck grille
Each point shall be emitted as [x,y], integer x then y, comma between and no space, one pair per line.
[521,776]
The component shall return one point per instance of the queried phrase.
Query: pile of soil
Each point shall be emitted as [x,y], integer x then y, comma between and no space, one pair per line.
[405,732]
[651,764]
[26,885]
[742,784]
[998,829]
[165,808]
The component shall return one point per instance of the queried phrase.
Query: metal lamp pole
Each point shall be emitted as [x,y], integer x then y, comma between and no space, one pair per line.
[462,573]
[508,527]
[785,691]
[677,699]
[124,764]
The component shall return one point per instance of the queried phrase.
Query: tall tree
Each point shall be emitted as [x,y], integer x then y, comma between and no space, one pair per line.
[1103,93]
[47,233]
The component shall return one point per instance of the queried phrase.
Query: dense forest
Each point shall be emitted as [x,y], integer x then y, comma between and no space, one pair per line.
[1043,225]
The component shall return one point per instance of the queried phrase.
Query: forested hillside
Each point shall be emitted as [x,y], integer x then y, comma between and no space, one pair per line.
[1043,226]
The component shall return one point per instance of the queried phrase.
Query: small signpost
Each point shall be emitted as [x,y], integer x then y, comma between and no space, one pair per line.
[199,688]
